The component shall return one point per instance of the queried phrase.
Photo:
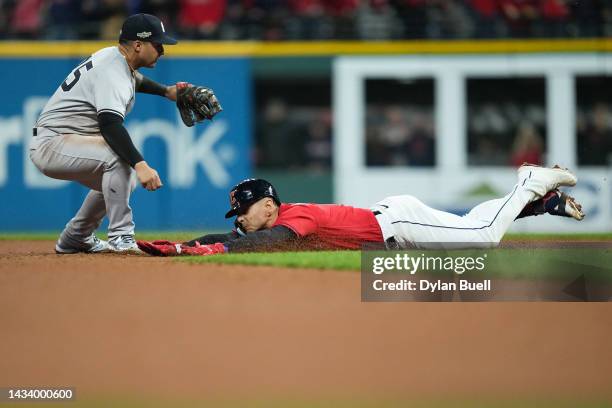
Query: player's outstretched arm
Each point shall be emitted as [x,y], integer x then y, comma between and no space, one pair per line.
[195,103]
[275,238]
[213,238]
[279,237]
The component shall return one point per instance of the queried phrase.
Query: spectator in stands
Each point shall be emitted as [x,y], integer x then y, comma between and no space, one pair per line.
[487,19]
[266,19]
[165,10]
[421,149]
[555,16]
[595,139]
[527,146]
[63,17]
[487,152]
[342,13]
[521,16]
[280,140]
[377,20]
[413,17]
[273,20]
[6,9]
[449,19]
[102,19]
[26,21]
[394,134]
[318,146]
[201,19]
[588,17]
[115,13]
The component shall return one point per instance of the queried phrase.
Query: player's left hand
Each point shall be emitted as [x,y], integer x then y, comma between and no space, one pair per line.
[168,248]
[196,103]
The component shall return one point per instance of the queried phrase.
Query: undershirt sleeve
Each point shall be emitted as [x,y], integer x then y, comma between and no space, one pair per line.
[118,138]
[148,86]
[264,240]
[213,238]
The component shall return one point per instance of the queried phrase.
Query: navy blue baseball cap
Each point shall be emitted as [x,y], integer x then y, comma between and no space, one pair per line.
[145,27]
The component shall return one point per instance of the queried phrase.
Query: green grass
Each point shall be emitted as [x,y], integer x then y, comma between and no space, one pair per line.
[338,260]
[515,263]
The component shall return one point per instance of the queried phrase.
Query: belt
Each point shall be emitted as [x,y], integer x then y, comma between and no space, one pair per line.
[391,242]
[34,132]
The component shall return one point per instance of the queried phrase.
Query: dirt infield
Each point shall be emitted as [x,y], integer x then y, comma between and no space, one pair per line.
[143,325]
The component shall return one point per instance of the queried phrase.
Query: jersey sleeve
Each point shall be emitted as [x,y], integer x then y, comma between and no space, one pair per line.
[301,219]
[112,93]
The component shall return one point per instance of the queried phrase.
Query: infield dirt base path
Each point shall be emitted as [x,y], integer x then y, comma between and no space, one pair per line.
[155,326]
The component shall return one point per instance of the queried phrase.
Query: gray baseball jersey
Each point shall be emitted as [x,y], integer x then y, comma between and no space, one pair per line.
[102,83]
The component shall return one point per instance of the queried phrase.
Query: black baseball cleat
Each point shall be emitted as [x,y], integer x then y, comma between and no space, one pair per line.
[555,202]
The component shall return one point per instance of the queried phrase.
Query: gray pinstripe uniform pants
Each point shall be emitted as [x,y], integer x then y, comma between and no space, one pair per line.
[90,161]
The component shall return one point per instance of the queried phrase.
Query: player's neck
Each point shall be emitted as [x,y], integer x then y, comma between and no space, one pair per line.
[130,57]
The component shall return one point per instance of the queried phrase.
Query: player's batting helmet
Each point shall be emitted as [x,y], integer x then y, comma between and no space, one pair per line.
[247,192]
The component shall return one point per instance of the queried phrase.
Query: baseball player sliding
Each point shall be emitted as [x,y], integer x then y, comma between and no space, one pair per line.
[80,135]
[264,223]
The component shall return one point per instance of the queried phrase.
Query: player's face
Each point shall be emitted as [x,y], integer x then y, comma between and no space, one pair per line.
[150,53]
[258,215]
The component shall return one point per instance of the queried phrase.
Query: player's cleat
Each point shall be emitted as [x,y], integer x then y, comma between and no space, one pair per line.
[124,244]
[92,245]
[541,180]
[555,203]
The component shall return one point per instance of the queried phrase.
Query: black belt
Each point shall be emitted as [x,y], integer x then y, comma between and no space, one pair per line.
[391,242]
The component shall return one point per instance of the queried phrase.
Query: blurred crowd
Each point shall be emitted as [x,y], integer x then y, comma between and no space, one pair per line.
[290,137]
[400,136]
[294,136]
[277,20]
[594,133]
[506,134]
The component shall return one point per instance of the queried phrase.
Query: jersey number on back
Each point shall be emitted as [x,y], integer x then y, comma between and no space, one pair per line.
[77,74]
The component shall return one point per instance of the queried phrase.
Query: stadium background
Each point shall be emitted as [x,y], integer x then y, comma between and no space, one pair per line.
[277,68]
[339,100]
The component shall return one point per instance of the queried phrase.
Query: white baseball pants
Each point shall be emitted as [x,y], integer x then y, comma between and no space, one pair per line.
[413,224]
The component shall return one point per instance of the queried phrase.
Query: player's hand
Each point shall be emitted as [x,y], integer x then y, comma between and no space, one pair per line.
[147,176]
[167,248]
[201,250]
[159,248]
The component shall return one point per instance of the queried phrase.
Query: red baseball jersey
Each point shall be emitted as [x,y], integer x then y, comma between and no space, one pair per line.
[330,226]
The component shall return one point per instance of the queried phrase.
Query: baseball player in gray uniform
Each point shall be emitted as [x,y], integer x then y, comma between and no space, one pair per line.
[80,135]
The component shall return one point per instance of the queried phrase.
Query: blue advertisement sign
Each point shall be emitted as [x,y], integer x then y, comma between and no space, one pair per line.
[197,165]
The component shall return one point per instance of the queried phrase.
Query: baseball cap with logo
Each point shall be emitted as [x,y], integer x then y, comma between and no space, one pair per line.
[247,193]
[145,27]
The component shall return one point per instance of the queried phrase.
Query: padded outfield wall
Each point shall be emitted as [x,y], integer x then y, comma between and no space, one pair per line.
[199,164]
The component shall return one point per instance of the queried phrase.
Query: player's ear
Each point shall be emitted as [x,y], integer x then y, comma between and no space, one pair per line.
[269,206]
[137,45]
